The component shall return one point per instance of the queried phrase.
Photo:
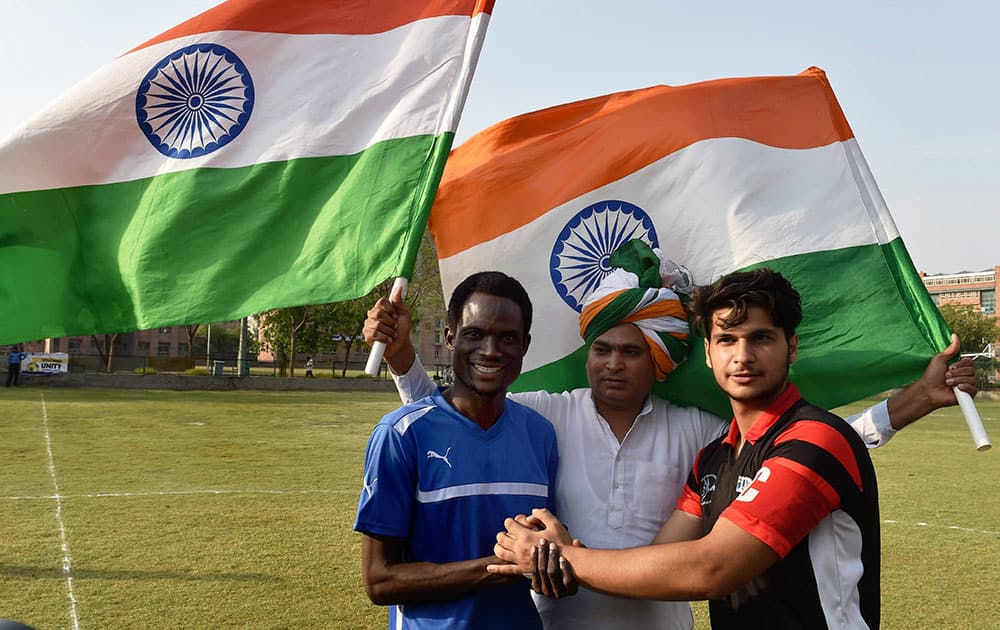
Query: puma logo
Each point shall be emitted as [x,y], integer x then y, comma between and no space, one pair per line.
[436,455]
[370,487]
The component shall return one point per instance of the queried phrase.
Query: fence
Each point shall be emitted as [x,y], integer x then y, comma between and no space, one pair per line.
[198,364]
[226,364]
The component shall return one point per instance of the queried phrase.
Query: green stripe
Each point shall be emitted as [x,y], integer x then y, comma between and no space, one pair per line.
[212,245]
[868,326]
[678,349]
[613,312]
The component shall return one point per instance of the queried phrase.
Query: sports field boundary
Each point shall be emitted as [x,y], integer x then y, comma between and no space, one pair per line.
[185,382]
[67,560]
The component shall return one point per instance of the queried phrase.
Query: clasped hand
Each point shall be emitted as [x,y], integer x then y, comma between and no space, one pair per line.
[532,544]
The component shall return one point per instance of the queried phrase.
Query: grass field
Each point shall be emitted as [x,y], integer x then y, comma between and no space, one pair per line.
[131,509]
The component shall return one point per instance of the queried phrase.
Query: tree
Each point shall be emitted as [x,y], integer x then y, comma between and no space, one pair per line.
[107,351]
[346,321]
[974,329]
[424,294]
[192,330]
[320,327]
[280,329]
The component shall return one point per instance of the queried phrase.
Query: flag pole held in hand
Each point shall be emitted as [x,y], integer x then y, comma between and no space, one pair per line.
[973,420]
[378,348]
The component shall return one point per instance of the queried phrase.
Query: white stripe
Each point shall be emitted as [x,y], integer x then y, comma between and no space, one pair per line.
[172,493]
[665,324]
[67,561]
[758,202]
[835,554]
[316,95]
[971,530]
[481,489]
[404,423]
[650,332]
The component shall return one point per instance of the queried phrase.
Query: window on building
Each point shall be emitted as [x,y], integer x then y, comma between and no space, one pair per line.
[55,345]
[144,347]
[182,348]
[988,302]
[74,345]
[982,278]
[163,349]
[437,353]
[164,331]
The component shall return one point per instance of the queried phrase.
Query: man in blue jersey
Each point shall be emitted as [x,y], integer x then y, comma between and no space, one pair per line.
[442,472]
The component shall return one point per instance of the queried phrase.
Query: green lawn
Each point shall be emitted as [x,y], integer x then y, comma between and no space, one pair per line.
[234,509]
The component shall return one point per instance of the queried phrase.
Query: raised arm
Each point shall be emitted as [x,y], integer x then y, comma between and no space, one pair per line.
[934,389]
[877,424]
[389,322]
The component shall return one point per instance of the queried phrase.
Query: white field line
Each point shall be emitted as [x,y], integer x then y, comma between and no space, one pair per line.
[935,526]
[67,561]
[172,493]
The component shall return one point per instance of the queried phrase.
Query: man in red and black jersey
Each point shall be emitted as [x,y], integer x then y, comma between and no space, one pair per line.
[778,525]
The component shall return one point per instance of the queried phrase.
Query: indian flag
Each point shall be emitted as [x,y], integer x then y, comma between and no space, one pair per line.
[721,176]
[265,153]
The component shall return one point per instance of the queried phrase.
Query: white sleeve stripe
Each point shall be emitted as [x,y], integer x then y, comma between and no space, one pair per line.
[404,423]
[477,489]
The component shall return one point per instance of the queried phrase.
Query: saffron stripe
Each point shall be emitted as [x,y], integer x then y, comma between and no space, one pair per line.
[633,130]
[311,17]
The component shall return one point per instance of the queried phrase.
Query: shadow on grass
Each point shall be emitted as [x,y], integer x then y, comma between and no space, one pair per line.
[47,573]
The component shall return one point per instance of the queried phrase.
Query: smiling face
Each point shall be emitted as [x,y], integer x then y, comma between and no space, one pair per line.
[488,345]
[620,369]
[750,360]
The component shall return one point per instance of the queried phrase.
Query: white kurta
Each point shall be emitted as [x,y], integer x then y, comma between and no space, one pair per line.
[614,496]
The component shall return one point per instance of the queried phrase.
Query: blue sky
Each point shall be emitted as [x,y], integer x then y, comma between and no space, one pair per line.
[918,81]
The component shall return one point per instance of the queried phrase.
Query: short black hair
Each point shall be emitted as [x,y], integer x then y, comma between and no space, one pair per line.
[742,290]
[491,283]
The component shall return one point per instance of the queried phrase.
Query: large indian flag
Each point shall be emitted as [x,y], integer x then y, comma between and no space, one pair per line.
[721,176]
[265,153]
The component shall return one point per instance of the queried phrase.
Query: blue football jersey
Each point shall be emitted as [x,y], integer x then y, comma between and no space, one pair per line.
[438,480]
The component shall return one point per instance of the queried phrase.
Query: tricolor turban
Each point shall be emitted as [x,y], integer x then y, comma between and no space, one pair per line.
[634,293]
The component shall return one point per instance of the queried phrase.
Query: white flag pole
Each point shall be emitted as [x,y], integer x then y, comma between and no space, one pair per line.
[973,420]
[378,348]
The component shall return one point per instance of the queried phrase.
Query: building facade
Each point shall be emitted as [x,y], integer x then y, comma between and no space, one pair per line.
[158,342]
[977,289]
